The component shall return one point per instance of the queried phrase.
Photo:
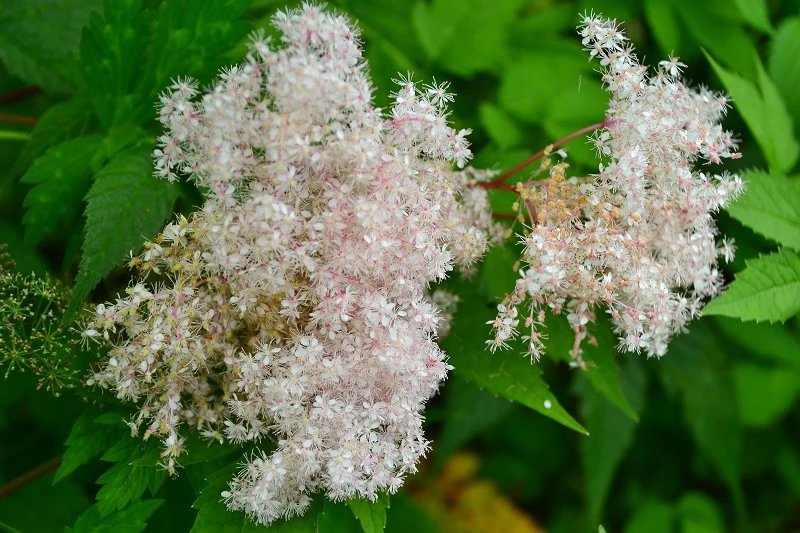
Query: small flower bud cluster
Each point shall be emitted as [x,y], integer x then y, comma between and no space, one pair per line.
[293,306]
[639,237]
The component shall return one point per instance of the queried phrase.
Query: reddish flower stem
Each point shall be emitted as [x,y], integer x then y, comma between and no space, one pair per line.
[18,94]
[499,181]
[29,476]
[18,119]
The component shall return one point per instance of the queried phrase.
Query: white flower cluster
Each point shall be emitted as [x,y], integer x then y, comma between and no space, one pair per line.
[293,305]
[639,237]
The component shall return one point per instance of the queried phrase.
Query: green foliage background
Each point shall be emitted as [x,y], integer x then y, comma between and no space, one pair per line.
[704,440]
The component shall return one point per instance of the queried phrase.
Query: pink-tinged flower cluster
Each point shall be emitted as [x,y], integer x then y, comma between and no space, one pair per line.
[293,306]
[638,238]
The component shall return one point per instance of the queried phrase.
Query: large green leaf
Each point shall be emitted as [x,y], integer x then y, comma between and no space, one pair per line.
[112,50]
[611,435]
[126,481]
[442,25]
[371,515]
[506,373]
[39,37]
[765,113]
[755,13]
[125,206]
[132,519]
[768,289]
[87,440]
[696,372]
[784,68]
[60,178]
[770,206]
[764,394]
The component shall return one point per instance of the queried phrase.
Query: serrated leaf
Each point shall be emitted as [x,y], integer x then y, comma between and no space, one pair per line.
[86,440]
[125,481]
[112,48]
[132,519]
[371,515]
[764,113]
[770,206]
[125,206]
[38,38]
[784,68]
[60,178]
[768,289]
[506,373]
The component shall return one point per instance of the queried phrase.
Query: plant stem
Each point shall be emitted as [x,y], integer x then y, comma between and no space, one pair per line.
[29,476]
[18,119]
[18,94]
[14,135]
[500,180]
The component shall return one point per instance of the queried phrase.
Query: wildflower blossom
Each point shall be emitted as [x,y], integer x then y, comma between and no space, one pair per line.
[293,304]
[639,237]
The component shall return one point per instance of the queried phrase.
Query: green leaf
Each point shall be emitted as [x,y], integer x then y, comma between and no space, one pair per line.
[39,37]
[468,411]
[112,49]
[764,394]
[214,517]
[60,178]
[697,513]
[126,205]
[442,24]
[765,114]
[371,515]
[126,482]
[501,128]
[86,440]
[784,68]
[132,519]
[770,205]
[508,374]
[755,13]
[768,289]
[653,517]
[696,371]
[60,122]
[663,20]
[611,435]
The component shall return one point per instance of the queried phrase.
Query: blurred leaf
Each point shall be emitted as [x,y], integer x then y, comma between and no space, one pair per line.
[764,394]
[86,441]
[695,372]
[765,114]
[23,511]
[442,24]
[60,178]
[784,68]
[768,289]
[611,433]
[38,38]
[755,13]
[408,516]
[653,517]
[663,20]
[772,342]
[770,205]
[371,515]
[469,411]
[59,123]
[126,205]
[132,519]
[697,513]
[500,127]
